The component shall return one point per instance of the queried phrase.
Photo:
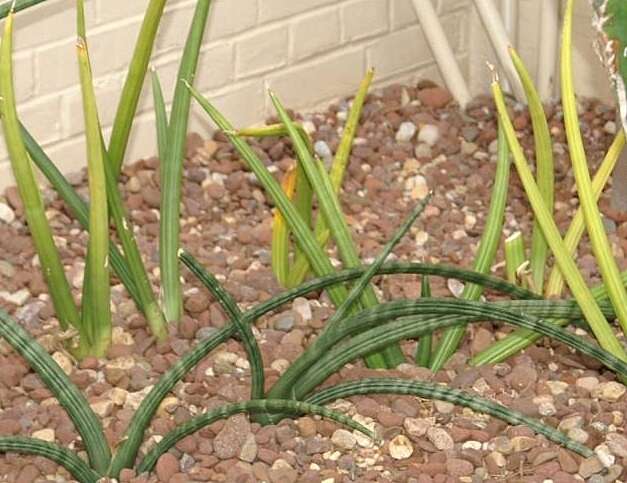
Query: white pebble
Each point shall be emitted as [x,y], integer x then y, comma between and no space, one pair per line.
[429,134]
[405,132]
[401,448]
[6,213]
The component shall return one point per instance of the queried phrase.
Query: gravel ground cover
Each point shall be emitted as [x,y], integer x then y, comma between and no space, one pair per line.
[411,139]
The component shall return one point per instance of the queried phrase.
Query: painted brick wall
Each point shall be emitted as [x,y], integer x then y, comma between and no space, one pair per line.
[309,51]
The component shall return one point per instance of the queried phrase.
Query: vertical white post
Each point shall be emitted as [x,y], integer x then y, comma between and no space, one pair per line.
[493,25]
[509,9]
[547,47]
[444,55]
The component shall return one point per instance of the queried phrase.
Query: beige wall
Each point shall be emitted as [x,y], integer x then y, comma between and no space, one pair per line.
[309,51]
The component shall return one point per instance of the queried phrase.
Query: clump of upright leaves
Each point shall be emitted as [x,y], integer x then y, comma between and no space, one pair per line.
[94,324]
[485,254]
[34,210]
[319,180]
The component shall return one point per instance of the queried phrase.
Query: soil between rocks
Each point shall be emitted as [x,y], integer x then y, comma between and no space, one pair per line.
[411,139]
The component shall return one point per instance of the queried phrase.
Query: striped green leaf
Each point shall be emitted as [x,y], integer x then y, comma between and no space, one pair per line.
[235,314]
[68,395]
[423,349]
[59,455]
[172,167]
[486,252]
[428,390]
[254,406]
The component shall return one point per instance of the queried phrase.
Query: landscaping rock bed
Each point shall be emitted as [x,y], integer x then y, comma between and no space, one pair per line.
[411,140]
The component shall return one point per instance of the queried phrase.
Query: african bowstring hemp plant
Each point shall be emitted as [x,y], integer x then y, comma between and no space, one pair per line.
[413,328]
[128,265]
[172,167]
[599,325]
[594,224]
[318,258]
[99,464]
[95,333]
[517,341]
[486,252]
[520,339]
[34,210]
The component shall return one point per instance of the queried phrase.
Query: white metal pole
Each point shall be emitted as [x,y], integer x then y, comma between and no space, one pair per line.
[509,9]
[444,55]
[493,25]
[547,47]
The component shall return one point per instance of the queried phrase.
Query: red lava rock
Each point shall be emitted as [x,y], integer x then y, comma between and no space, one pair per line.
[435,97]
[283,475]
[28,474]
[167,466]
[458,467]
[230,439]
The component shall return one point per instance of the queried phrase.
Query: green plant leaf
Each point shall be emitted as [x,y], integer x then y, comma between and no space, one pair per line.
[172,167]
[544,169]
[235,314]
[594,224]
[423,349]
[79,208]
[336,174]
[254,406]
[69,397]
[336,221]
[59,455]
[486,252]
[129,100]
[161,115]
[602,330]
[96,310]
[520,339]
[34,210]
[428,390]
